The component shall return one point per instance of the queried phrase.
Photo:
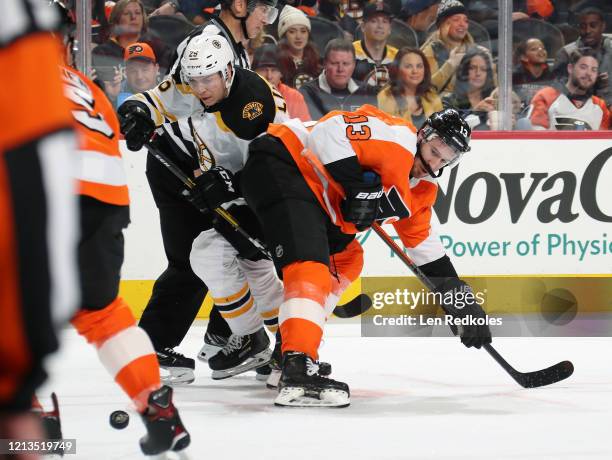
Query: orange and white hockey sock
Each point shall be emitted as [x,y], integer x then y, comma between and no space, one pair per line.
[347,266]
[124,349]
[302,314]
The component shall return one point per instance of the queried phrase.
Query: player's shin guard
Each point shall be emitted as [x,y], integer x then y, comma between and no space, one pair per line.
[347,266]
[124,349]
[302,314]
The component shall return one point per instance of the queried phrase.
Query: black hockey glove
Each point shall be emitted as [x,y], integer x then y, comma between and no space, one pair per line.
[213,188]
[136,124]
[469,319]
[362,201]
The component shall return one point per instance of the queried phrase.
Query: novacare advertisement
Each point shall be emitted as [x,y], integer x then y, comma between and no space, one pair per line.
[511,207]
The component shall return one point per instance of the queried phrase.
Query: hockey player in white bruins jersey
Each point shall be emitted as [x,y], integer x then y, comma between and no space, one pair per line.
[232,106]
[178,292]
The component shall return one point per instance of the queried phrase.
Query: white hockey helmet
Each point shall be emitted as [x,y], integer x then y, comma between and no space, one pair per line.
[207,55]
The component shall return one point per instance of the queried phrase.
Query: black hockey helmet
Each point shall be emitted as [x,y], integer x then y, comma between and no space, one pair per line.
[448,125]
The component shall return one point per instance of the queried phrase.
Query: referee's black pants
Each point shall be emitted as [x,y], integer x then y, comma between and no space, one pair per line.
[178,293]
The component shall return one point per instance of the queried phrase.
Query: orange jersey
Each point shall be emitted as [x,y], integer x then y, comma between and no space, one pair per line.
[37,209]
[552,109]
[381,143]
[101,174]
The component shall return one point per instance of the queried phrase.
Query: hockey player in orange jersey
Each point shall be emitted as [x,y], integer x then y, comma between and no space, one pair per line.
[104,319]
[38,212]
[325,184]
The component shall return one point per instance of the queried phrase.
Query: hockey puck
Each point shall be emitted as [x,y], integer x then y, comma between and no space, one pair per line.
[119,419]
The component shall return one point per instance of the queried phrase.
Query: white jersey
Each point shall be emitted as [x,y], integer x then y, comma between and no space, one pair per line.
[217,135]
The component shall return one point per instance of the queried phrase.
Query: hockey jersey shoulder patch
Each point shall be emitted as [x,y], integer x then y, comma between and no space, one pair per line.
[252,110]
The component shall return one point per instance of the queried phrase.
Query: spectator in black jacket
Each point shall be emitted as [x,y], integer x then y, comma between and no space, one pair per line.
[335,89]
[531,72]
[591,26]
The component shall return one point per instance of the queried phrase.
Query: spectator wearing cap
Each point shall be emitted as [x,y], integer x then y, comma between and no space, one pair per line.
[129,25]
[373,55]
[420,15]
[335,89]
[141,70]
[265,63]
[591,26]
[299,60]
[447,45]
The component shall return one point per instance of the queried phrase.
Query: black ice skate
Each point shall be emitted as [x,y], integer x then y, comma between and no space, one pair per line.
[165,431]
[274,376]
[176,369]
[213,343]
[301,385]
[241,354]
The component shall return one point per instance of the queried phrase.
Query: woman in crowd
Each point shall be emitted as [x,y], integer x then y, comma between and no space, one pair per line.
[128,24]
[410,94]
[531,73]
[474,84]
[299,60]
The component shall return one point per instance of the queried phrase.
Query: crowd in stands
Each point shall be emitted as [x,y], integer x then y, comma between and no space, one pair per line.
[408,57]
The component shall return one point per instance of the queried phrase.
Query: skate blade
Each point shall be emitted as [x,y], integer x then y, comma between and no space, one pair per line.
[296,397]
[253,362]
[273,379]
[181,455]
[176,375]
[208,351]
[177,450]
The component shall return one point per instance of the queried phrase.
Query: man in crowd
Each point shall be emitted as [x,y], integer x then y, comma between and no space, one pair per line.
[420,15]
[335,89]
[372,54]
[265,63]
[591,27]
[572,106]
[141,70]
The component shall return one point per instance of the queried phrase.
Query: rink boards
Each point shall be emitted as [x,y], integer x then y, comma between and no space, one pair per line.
[515,211]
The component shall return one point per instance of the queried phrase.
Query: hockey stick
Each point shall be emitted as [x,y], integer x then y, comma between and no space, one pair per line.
[355,307]
[552,374]
[190,184]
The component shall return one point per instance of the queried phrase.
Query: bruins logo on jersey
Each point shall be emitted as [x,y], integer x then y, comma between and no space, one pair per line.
[252,110]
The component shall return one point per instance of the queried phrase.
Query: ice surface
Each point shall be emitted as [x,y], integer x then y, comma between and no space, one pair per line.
[417,398]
